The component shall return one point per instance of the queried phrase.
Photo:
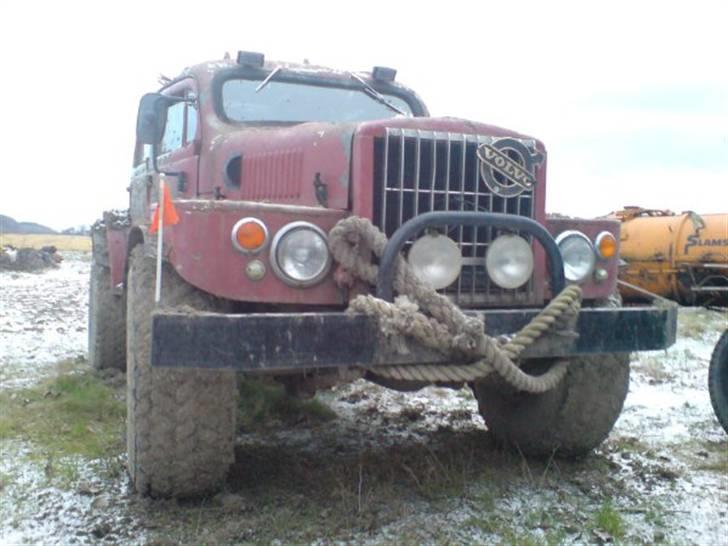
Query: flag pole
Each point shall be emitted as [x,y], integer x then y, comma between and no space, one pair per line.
[160,238]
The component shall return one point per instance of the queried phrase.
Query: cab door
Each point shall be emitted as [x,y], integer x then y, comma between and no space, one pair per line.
[177,155]
[179,150]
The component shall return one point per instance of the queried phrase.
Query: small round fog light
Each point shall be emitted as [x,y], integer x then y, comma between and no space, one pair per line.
[436,259]
[255,270]
[600,274]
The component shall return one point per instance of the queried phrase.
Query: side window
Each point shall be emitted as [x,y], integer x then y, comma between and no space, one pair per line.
[174,130]
[191,127]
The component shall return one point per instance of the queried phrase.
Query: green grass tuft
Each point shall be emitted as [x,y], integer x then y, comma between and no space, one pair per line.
[70,414]
[608,519]
[264,404]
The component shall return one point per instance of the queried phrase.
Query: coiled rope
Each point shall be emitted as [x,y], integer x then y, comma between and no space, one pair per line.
[436,322]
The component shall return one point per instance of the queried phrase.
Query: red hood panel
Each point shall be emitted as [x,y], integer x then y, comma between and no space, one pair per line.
[286,164]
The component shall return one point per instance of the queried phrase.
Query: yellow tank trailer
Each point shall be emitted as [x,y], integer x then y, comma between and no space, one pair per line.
[683,256]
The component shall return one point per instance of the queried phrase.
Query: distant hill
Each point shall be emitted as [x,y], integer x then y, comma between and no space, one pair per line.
[10,225]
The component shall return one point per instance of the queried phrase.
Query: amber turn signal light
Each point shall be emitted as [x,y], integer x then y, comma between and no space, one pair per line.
[606,245]
[249,235]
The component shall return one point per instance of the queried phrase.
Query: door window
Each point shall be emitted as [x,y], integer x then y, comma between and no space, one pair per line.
[191,127]
[174,129]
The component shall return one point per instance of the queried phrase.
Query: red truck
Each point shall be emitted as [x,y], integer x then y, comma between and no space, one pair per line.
[263,160]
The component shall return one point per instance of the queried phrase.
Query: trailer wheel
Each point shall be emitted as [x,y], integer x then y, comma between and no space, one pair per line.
[718,380]
[106,325]
[180,422]
[569,420]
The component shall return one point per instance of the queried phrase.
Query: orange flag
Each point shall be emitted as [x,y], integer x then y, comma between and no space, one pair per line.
[170,213]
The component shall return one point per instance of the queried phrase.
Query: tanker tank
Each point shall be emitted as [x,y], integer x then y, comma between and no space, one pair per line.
[683,257]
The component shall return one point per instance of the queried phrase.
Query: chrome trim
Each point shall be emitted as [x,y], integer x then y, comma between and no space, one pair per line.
[234,239]
[278,271]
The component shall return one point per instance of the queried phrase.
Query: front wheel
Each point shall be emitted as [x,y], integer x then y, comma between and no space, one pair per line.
[569,420]
[718,380]
[180,422]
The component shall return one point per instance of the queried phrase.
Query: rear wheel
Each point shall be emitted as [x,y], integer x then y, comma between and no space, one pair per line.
[180,422]
[569,420]
[106,324]
[718,380]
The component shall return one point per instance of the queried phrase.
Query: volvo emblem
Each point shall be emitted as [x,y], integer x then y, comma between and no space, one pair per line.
[508,167]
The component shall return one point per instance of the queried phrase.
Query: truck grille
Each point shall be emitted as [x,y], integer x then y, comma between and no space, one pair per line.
[419,171]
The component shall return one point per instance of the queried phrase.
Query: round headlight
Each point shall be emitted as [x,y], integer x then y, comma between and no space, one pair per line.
[578,254]
[509,261]
[300,254]
[436,259]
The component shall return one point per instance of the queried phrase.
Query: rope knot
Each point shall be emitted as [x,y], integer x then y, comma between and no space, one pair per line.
[431,318]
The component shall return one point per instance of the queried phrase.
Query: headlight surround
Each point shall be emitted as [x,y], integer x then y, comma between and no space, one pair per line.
[436,259]
[509,261]
[578,254]
[299,254]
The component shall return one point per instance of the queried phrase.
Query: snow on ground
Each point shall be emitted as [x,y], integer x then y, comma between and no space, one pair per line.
[42,319]
[660,468]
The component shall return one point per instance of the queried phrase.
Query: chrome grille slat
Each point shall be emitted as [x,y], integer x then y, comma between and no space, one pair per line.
[418,171]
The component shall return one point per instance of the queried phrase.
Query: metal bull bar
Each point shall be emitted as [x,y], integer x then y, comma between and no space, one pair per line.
[478,219]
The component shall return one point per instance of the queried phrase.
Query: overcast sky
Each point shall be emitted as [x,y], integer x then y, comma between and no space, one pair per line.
[630,98]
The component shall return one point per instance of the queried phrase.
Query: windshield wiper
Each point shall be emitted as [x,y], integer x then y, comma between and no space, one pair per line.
[268,78]
[376,95]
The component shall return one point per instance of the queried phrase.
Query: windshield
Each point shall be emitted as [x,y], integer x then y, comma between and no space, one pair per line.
[281,101]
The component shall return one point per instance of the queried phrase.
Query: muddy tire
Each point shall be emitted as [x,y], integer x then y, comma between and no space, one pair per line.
[718,380]
[569,420]
[180,423]
[106,322]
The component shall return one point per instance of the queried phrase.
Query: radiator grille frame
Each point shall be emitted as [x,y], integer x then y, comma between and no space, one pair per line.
[417,171]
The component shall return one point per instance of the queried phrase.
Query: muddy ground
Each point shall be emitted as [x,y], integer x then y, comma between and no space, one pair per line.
[359,464]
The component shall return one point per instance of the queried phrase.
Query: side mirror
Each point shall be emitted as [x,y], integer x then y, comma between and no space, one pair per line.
[152,117]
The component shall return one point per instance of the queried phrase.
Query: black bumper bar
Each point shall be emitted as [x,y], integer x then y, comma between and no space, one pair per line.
[285,342]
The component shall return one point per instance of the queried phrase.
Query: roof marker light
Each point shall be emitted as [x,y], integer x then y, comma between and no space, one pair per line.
[251,58]
[384,74]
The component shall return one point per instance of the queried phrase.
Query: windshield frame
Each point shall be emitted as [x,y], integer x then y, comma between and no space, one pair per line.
[322,79]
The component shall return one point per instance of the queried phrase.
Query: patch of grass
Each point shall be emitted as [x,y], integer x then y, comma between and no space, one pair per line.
[719,463]
[609,520]
[654,368]
[5,480]
[38,241]
[497,525]
[695,323]
[655,515]
[627,444]
[263,404]
[74,413]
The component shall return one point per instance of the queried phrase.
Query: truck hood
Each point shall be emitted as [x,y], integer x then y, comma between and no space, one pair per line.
[308,164]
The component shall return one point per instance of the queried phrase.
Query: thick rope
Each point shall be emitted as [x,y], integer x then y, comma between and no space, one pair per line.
[436,322]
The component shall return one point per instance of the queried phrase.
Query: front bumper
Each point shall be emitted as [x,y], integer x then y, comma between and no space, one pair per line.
[289,342]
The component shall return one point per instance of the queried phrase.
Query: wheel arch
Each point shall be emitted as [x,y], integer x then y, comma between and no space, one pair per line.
[134,239]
